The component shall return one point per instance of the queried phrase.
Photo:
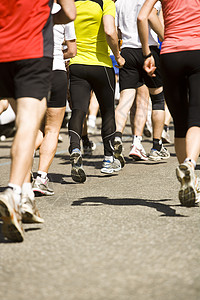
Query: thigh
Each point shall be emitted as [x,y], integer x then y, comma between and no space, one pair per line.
[175,90]
[80,88]
[103,84]
[32,78]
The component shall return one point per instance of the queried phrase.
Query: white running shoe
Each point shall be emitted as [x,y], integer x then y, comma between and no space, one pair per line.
[138,152]
[40,187]
[29,211]
[109,167]
[189,193]
[159,155]
[11,215]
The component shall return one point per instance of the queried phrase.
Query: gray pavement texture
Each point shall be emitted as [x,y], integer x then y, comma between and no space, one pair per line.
[118,237]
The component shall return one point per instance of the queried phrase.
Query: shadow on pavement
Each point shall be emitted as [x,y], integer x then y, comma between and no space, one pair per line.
[165,209]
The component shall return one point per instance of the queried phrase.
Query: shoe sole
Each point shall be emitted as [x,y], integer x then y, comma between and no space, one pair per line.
[39,192]
[158,158]
[30,218]
[78,175]
[187,193]
[137,157]
[11,228]
[77,172]
[118,154]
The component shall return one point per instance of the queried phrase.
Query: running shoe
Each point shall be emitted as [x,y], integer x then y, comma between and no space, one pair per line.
[29,211]
[118,148]
[189,193]
[166,137]
[11,215]
[77,171]
[40,187]
[159,155]
[138,152]
[109,167]
[88,147]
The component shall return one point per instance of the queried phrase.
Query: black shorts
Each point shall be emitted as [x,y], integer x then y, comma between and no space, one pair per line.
[26,78]
[58,89]
[132,75]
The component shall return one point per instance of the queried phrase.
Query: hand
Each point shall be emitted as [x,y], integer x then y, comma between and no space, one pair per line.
[120,62]
[149,66]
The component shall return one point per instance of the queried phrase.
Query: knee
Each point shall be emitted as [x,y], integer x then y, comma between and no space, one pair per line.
[158,101]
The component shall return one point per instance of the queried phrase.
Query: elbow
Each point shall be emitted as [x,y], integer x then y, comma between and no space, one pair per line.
[110,32]
[140,19]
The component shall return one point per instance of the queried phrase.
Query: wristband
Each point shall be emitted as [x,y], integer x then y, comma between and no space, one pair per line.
[147,56]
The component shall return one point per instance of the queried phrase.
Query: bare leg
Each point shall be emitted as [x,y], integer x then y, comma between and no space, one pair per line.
[53,122]
[121,112]
[30,112]
[138,114]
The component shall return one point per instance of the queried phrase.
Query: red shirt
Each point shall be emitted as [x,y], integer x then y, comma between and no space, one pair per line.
[26,29]
[182,25]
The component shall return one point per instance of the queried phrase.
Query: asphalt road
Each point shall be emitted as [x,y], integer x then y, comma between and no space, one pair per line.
[119,237]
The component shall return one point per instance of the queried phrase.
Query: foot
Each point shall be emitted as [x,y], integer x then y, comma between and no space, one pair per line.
[159,155]
[11,216]
[189,193]
[41,187]
[29,211]
[138,153]
[109,167]
[77,171]
[118,148]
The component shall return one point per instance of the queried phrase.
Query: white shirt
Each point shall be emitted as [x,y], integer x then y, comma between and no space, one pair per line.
[126,19]
[61,32]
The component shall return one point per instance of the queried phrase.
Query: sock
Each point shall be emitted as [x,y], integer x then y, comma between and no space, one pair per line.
[110,158]
[118,134]
[91,120]
[27,190]
[157,144]
[166,128]
[137,139]
[85,139]
[191,160]
[17,191]
[42,174]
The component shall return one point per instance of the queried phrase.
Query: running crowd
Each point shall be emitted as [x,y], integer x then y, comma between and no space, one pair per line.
[53,50]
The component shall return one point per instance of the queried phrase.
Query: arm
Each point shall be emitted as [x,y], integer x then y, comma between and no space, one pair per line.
[156,25]
[71,49]
[67,13]
[142,22]
[112,38]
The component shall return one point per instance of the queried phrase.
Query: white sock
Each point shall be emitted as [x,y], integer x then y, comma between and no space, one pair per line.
[43,174]
[91,121]
[27,190]
[110,158]
[137,139]
[17,191]
[191,160]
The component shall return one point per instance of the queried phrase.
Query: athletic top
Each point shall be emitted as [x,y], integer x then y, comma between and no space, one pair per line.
[92,48]
[61,33]
[126,20]
[182,25]
[26,29]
